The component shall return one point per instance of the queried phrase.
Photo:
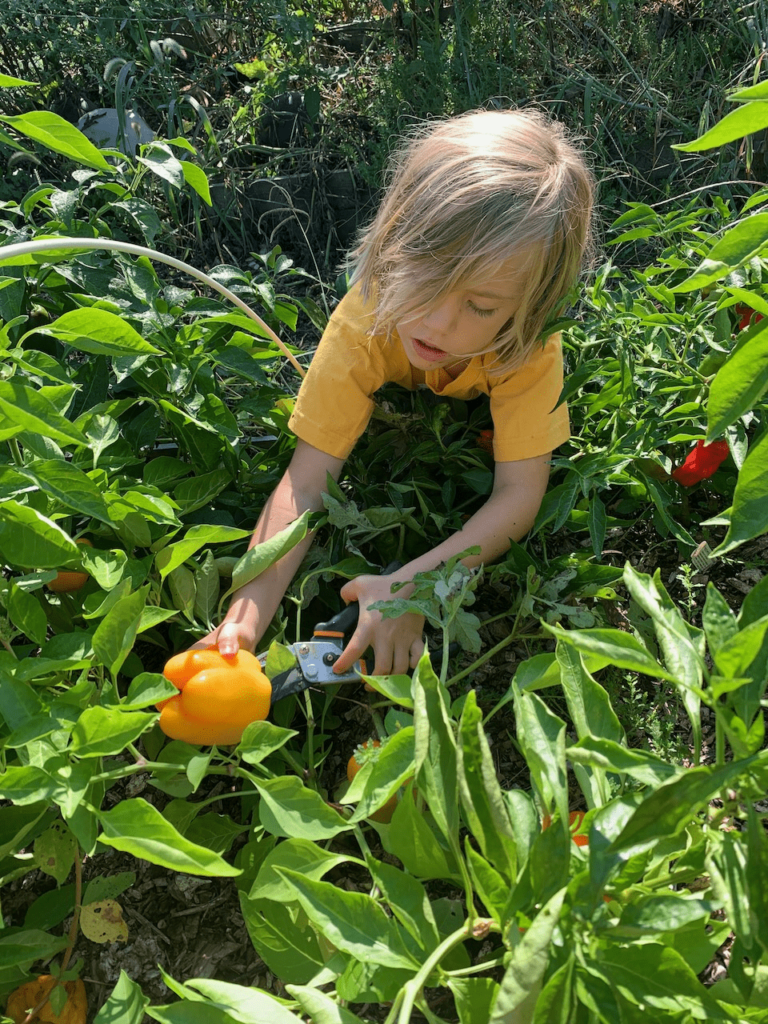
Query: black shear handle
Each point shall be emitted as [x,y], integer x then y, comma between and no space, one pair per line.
[343,621]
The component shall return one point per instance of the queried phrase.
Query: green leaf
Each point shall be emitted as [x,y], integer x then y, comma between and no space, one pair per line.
[261,739]
[735,656]
[55,133]
[164,164]
[195,538]
[541,736]
[597,524]
[147,689]
[289,809]
[435,749]
[245,1004]
[682,644]
[484,808]
[125,1005]
[737,246]
[321,1008]
[192,1011]
[355,923]
[27,615]
[617,648]
[409,902]
[283,939]
[588,703]
[409,838]
[380,779]
[9,82]
[23,408]
[55,851]
[28,540]
[298,855]
[655,976]
[474,998]
[99,332]
[752,117]
[612,757]
[138,828]
[262,556]
[492,887]
[116,633]
[17,823]
[206,590]
[668,810]
[651,914]
[70,485]
[752,92]
[195,177]
[396,688]
[739,384]
[720,624]
[24,947]
[749,515]
[554,1003]
[525,968]
[101,731]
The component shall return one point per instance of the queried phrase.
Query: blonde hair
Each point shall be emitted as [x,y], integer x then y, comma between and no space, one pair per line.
[465,196]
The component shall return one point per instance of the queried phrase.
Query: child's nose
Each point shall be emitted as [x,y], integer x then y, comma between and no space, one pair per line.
[441,317]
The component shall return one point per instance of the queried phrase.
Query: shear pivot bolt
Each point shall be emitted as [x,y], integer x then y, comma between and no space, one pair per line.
[330,658]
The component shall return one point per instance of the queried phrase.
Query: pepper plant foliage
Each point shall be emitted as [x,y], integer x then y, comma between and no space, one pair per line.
[153,421]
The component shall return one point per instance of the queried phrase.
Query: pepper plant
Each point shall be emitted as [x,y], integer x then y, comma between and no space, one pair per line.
[152,421]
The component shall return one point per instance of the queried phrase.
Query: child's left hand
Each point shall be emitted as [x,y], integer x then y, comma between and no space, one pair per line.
[397,643]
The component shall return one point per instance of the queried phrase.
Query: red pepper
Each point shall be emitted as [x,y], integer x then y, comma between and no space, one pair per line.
[485,441]
[701,464]
[746,313]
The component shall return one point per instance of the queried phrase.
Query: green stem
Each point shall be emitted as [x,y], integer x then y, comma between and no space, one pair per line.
[406,998]
[485,657]
[719,741]
[465,972]
[311,771]
[444,665]
[13,444]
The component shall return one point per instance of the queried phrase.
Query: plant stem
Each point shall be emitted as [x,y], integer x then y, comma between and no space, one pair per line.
[7,646]
[13,444]
[71,938]
[485,657]
[403,1005]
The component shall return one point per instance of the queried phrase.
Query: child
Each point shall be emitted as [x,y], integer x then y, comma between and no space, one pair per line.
[479,238]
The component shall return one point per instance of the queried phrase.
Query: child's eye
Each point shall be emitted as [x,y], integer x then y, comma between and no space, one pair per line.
[479,310]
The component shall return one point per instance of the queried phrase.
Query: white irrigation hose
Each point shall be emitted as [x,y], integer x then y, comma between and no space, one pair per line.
[8,252]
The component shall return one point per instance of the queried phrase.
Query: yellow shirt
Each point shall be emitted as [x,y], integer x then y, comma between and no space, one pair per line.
[335,400]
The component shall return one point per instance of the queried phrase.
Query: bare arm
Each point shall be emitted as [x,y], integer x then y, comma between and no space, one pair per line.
[254,605]
[508,513]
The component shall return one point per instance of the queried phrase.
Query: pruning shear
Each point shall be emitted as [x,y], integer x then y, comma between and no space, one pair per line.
[315,658]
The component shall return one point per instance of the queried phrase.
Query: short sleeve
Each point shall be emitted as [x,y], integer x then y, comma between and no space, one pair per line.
[525,421]
[334,403]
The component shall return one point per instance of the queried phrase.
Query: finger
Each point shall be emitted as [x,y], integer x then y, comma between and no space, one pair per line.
[417,649]
[384,661]
[401,661]
[228,640]
[349,591]
[354,649]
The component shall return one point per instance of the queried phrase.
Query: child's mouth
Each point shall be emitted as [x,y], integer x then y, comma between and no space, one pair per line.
[426,351]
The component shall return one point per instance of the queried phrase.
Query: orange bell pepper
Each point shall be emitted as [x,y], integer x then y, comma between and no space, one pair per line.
[219,697]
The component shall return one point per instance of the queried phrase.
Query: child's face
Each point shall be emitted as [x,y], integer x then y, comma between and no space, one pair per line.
[462,322]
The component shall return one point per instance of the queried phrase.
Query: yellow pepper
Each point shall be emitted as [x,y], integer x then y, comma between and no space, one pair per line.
[219,697]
